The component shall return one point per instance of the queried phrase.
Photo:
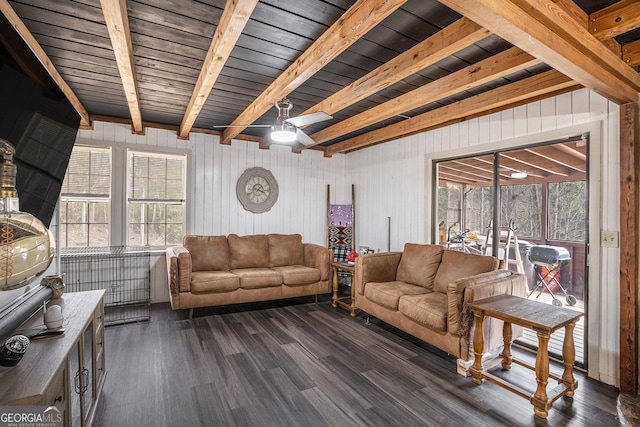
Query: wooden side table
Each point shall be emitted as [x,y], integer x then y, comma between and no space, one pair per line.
[348,303]
[544,319]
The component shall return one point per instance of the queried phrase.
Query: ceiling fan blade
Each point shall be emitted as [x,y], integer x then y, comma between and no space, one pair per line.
[303,138]
[241,126]
[308,119]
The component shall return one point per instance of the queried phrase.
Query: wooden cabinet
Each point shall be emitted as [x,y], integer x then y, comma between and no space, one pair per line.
[66,371]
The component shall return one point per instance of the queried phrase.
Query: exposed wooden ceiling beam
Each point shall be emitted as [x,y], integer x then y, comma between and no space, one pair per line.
[528,88]
[546,31]
[233,20]
[451,39]
[474,75]
[615,20]
[581,17]
[117,21]
[631,53]
[357,21]
[35,47]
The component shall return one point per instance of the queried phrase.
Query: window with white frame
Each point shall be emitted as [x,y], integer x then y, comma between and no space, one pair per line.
[85,198]
[156,198]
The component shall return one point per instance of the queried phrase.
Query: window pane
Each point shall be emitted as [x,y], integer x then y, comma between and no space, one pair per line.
[522,204]
[84,202]
[156,177]
[77,235]
[567,211]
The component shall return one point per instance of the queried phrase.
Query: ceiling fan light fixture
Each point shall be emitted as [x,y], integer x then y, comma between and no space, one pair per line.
[285,133]
[518,175]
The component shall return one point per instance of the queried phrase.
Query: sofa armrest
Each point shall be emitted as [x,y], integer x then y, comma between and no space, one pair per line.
[179,269]
[319,257]
[380,267]
[469,289]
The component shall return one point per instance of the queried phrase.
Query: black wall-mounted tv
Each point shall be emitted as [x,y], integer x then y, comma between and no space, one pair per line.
[39,121]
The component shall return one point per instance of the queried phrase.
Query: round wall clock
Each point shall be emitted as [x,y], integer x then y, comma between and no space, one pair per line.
[257,190]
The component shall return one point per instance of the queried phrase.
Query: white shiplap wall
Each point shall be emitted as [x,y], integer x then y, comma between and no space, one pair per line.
[394,180]
[392,186]
[212,172]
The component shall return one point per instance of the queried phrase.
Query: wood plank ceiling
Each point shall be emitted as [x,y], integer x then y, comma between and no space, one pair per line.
[383,68]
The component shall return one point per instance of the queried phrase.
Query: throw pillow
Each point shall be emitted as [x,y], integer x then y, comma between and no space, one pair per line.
[419,264]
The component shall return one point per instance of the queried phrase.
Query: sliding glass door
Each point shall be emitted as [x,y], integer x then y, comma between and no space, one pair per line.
[541,208]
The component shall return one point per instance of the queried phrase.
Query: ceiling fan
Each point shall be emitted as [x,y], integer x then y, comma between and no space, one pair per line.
[286,128]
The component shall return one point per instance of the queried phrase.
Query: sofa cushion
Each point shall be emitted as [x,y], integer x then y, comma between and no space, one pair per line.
[213,281]
[387,294]
[248,251]
[208,253]
[456,265]
[427,309]
[293,275]
[285,249]
[251,278]
[419,264]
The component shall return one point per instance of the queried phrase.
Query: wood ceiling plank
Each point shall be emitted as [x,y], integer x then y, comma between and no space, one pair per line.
[359,19]
[506,95]
[614,20]
[33,44]
[474,75]
[444,43]
[546,31]
[631,53]
[117,21]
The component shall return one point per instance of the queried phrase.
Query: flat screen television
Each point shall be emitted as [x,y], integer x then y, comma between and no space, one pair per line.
[37,118]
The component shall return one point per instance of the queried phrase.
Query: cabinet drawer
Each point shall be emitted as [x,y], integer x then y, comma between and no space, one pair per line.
[55,393]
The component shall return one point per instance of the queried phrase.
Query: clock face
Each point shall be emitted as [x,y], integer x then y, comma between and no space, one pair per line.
[257,190]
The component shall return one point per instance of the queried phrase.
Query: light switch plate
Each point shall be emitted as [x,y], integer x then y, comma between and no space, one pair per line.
[609,239]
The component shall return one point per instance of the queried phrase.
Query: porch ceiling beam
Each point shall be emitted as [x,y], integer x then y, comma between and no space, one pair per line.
[451,39]
[616,19]
[502,97]
[35,47]
[232,22]
[549,33]
[560,158]
[474,75]
[354,23]
[117,21]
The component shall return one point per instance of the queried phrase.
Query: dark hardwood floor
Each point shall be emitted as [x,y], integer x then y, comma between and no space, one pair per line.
[295,363]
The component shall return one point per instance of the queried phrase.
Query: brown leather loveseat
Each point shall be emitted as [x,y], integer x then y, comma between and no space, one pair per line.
[217,270]
[424,291]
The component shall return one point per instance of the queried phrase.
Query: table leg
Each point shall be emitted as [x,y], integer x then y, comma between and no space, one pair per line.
[507,337]
[334,297]
[569,358]
[540,398]
[478,346]
[352,306]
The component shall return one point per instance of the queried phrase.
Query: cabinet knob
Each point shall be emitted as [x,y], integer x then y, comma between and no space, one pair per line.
[57,399]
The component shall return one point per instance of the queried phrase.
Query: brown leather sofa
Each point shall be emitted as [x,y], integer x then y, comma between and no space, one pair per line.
[425,289]
[217,270]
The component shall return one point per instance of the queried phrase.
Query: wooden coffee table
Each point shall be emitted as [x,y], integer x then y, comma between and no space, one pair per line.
[544,319]
[345,302]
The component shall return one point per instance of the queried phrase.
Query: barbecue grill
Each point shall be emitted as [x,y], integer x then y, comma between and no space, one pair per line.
[547,261]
